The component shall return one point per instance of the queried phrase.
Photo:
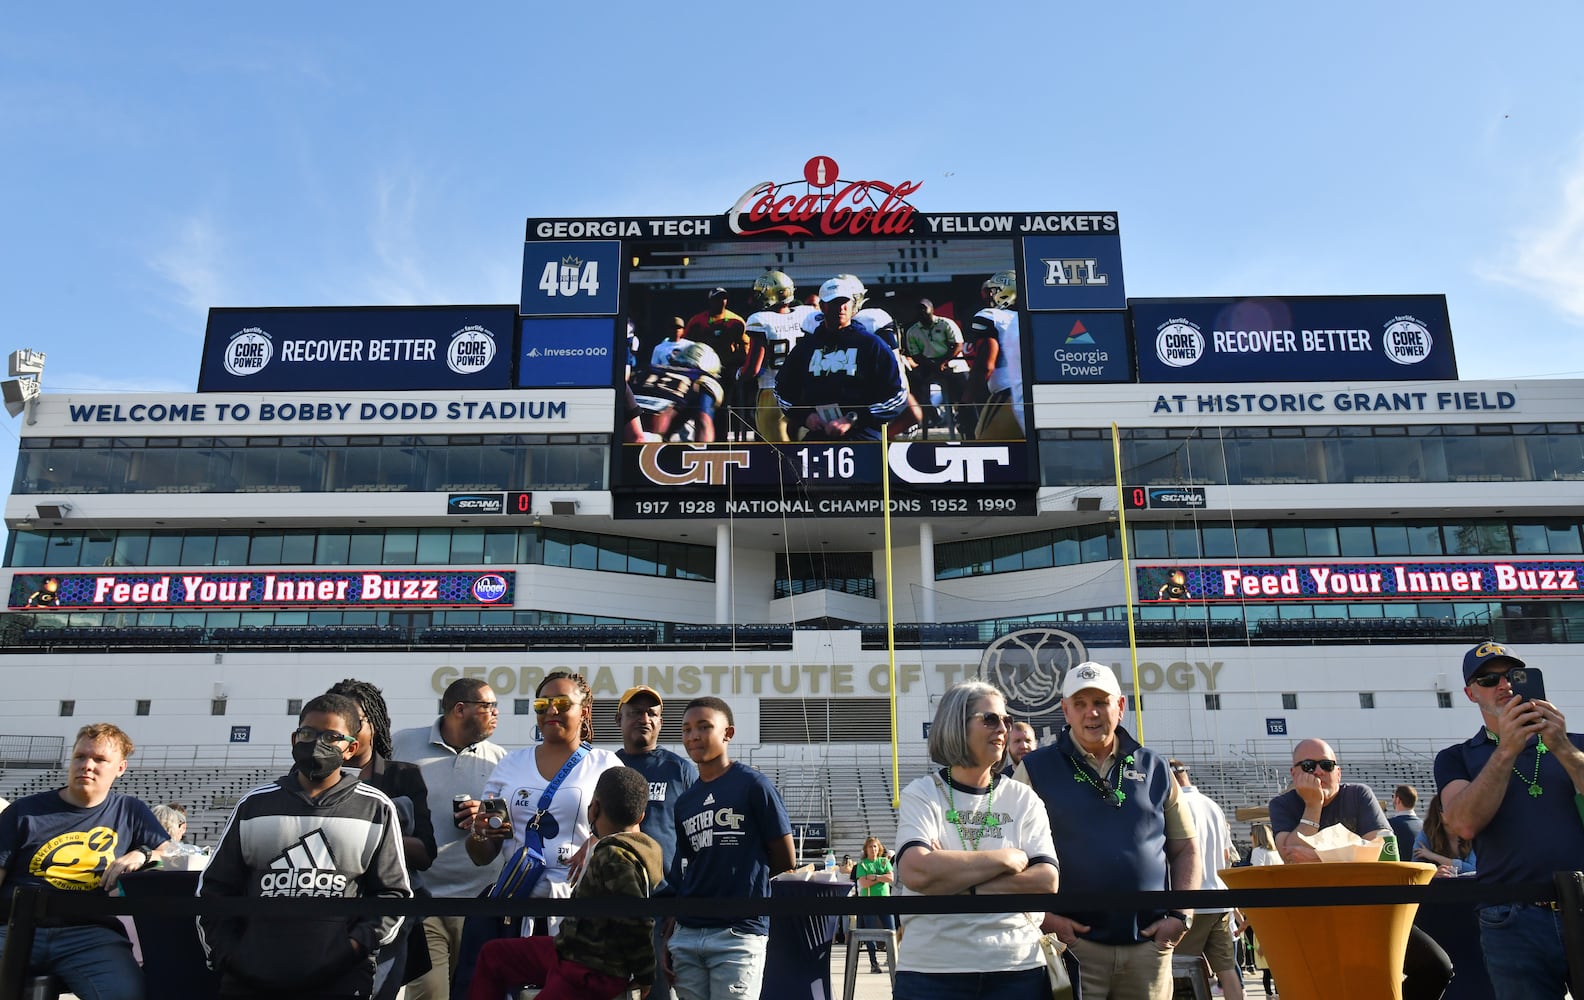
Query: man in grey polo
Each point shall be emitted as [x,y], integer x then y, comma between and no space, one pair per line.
[456,756]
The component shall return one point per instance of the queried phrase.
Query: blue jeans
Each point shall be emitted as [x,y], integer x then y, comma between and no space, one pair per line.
[1024,984]
[1523,951]
[717,963]
[94,962]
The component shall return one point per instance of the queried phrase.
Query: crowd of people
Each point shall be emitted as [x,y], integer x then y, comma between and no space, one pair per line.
[829,367]
[442,810]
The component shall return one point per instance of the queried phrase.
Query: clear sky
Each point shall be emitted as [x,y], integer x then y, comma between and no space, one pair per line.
[161,159]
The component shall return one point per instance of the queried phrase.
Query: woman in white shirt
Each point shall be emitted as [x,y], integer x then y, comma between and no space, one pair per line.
[965,831]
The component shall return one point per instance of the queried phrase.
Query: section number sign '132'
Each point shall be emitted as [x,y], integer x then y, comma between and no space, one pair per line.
[571,278]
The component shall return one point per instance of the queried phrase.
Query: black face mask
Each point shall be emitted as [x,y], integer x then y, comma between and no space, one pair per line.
[317,760]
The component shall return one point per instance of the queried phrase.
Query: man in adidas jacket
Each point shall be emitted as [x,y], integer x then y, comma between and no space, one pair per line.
[317,832]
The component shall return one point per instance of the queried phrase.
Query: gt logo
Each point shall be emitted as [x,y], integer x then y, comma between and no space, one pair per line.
[1072,271]
[571,276]
[961,464]
[699,464]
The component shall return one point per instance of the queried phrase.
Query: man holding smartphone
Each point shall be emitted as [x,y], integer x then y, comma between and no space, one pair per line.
[1516,789]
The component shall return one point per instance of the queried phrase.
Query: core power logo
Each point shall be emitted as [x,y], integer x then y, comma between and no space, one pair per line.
[248,352]
[471,351]
[306,868]
[1178,343]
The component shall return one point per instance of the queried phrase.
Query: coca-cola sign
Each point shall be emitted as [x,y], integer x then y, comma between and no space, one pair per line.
[823,204]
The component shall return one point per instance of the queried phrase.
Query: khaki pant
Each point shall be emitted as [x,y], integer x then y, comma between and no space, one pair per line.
[1124,972]
[444,936]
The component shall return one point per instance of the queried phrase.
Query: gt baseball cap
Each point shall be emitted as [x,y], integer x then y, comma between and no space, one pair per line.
[843,286]
[1090,674]
[1483,655]
[634,692]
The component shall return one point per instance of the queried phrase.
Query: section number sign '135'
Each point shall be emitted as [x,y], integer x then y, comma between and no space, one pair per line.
[571,278]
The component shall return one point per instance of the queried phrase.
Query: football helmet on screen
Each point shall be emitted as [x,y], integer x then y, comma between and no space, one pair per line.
[1000,289]
[773,288]
[692,354]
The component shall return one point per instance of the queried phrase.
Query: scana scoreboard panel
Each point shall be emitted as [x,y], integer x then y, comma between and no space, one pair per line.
[606,301]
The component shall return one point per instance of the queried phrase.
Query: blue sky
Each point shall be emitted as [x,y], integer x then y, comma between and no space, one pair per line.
[163,159]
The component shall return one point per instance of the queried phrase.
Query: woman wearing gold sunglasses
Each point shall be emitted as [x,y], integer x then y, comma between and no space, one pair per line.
[563,705]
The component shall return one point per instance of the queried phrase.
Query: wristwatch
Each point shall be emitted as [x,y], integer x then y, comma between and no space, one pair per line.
[1180,915]
[147,852]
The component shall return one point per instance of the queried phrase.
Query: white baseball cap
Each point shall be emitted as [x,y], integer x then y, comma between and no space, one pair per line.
[1090,674]
[843,286]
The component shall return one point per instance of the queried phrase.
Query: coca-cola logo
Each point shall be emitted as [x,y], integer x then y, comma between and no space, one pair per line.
[829,206]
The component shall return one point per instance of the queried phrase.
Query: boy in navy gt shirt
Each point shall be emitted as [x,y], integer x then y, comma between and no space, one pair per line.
[732,835]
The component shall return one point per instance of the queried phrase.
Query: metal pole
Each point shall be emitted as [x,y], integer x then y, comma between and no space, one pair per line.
[1570,894]
[26,903]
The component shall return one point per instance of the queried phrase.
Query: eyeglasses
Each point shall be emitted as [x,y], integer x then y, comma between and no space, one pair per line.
[1488,680]
[994,721]
[561,704]
[1309,764]
[308,734]
[493,707]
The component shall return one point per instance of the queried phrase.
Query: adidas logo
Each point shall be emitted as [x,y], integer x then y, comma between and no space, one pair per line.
[306,868]
[709,799]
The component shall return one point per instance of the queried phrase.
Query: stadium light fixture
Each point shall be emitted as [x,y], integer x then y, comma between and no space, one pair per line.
[22,389]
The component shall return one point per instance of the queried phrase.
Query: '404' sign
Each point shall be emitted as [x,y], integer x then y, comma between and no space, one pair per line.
[571,278]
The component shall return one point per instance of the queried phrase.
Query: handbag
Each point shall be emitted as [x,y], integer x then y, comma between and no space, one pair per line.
[526,866]
[1062,980]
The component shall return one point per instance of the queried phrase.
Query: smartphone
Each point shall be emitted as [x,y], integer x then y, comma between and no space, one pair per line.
[1527,681]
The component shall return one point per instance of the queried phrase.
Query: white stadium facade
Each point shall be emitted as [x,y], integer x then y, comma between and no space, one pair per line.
[1320,518]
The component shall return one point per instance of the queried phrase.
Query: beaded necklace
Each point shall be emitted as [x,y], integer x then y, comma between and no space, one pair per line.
[1115,796]
[1535,791]
[991,821]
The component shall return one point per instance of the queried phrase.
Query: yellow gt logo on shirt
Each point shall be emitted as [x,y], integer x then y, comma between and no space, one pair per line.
[75,860]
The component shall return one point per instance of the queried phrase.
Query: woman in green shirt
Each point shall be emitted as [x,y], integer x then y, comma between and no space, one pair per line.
[874,877]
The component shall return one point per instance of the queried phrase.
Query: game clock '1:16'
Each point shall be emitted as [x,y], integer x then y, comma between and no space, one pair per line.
[831,462]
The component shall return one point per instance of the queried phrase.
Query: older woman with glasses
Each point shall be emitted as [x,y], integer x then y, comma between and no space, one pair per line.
[966,831]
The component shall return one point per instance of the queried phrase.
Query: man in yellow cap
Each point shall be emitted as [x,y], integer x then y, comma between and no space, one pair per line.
[669,775]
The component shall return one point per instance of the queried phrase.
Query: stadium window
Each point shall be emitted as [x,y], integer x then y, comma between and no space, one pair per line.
[143,706]
[522,706]
[294,706]
[1366,699]
[1289,701]
[1443,699]
[1213,702]
[217,706]
[68,707]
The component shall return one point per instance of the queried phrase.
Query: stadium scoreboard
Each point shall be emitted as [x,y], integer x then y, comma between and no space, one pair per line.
[599,294]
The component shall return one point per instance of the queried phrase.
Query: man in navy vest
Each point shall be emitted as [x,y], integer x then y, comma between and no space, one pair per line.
[1119,825]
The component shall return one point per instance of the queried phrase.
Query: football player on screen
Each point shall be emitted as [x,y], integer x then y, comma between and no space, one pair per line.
[840,382]
[996,381]
[678,399]
[771,333]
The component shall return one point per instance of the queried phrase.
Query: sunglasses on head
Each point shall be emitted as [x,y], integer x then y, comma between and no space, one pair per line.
[1309,764]
[560,703]
[1487,680]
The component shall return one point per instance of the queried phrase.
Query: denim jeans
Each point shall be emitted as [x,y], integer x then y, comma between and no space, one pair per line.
[1024,984]
[717,963]
[1523,951]
[94,962]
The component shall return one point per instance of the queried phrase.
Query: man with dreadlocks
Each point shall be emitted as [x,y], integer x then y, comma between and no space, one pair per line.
[404,784]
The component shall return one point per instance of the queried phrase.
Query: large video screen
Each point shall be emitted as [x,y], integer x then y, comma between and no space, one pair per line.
[763,356]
